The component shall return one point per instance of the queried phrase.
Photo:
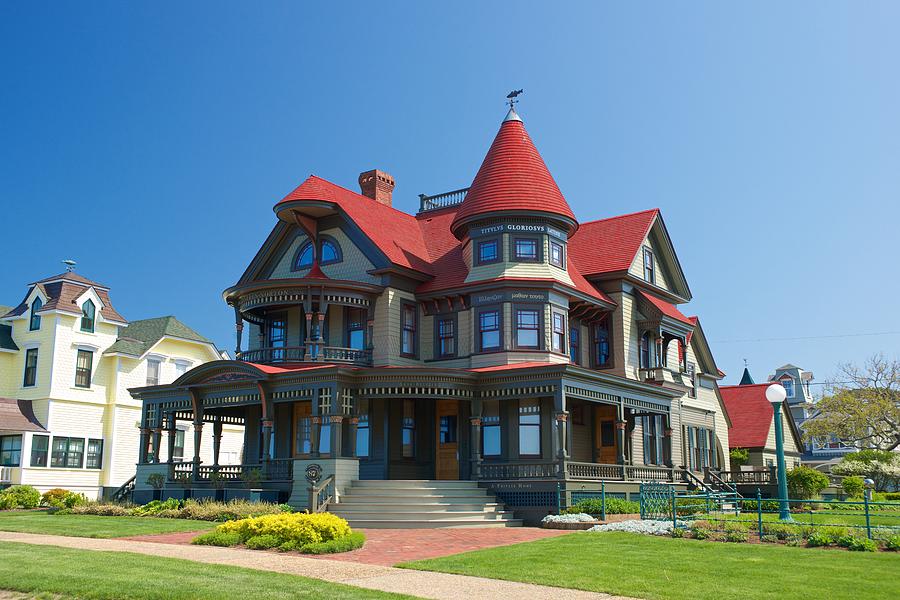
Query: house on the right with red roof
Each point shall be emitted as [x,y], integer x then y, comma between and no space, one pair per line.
[753,428]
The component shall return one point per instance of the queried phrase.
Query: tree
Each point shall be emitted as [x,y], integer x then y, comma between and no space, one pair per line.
[862,407]
[880,466]
[805,483]
[739,457]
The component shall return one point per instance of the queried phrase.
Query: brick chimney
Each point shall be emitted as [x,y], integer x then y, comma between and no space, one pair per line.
[377,185]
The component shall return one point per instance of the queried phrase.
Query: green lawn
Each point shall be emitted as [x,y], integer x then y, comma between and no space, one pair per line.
[660,567]
[876,519]
[67,573]
[93,526]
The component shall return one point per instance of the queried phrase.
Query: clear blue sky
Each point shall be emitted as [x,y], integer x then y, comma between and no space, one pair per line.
[149,141]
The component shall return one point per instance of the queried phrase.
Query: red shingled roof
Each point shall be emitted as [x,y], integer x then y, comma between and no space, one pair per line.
[395,232]
[610,245]
[513,177]
[750,414]
[667,309]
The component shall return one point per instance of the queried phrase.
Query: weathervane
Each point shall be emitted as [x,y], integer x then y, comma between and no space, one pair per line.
[511,98]
[70,265]
[745,363]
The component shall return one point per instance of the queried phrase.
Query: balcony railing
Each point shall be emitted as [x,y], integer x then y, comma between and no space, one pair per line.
[441,200]
[575,470]
[317,353]
[519,470]
[766,477]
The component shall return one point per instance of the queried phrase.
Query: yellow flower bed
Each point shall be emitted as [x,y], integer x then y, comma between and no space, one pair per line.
[303,528]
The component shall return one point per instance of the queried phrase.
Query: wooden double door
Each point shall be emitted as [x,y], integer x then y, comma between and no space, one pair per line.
[446,455]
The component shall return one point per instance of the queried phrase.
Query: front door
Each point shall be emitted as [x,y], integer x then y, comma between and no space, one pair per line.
[605,434]
[447,442]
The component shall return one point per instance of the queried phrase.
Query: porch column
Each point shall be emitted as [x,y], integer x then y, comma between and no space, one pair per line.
[198,438]
[475,446]
[620,434]
[320,340]
[316,422]
[667,442]
[560,418]
[307,343]
[171,438]
[217,441]
[144,452]
[238,330]
[157,442]
[267,440]
[337,426]
[351,433]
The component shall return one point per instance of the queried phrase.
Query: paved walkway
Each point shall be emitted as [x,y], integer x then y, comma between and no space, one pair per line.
[442,586]
[388,547]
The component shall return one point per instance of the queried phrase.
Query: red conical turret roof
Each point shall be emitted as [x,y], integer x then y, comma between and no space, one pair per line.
[513,178]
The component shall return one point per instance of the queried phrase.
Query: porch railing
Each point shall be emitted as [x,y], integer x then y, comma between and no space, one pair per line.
[766,477]
[519,470]
[579,470]
[647,473]
[318,352]
[278,469]
[321,494]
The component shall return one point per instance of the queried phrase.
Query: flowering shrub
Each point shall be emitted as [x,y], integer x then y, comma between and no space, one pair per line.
[302,528]
[19,496]
[569,518]
[102,509]
[646,527]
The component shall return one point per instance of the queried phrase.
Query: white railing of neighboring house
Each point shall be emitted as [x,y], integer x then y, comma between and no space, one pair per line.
[6,474]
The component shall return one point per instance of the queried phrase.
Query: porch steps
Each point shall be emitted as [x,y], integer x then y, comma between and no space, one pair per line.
[405,504]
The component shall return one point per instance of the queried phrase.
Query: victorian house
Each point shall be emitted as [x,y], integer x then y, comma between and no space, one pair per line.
[491,340]
[67,357]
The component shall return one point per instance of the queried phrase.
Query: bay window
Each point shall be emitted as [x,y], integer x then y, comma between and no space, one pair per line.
[10,450]
[528,327]
[559,332]
[40,445]
[68,452]
[489,330]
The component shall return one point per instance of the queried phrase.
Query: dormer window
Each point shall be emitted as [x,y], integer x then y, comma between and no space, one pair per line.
[649,266]
[488,252]
[525,249]
[35,323]
[788,384]
[329,253]
[88,312]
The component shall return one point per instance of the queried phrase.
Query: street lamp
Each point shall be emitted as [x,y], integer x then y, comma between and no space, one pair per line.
[776,394]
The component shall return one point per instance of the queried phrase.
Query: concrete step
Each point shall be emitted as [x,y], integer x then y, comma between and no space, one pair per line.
[417,510]
[412,483]
[354,516]
[423,492]
[407,503]
[386,524]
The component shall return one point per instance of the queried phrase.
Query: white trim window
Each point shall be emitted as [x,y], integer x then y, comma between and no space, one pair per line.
[153,369]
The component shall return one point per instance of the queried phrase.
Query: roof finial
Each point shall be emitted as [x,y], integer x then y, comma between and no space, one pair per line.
[511,100]
[70,265]
[746,364]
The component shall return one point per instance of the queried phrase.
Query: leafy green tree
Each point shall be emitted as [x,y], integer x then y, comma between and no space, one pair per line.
[880,466]
[853,486]
[739,456]
[862,408]
[805,483]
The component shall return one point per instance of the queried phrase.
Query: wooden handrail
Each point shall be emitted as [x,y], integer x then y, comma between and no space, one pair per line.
[318,495]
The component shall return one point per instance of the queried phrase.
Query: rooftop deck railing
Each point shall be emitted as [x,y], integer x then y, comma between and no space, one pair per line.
[441,200]
[318,352]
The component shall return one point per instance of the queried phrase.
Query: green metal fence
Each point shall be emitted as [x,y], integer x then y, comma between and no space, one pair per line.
[759,516]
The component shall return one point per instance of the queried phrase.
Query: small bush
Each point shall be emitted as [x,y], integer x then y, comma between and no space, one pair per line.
[286,508]
[263,542]
[893,543]
[853,486]
[303,527]
[736,536]
[769,539]
[678,532]
[736,527]
[861,544]
[739,456]
[699,533]
[101,509]
[20,496]
[819,538]
[770,506]
[892,496]
[217,538]
[782,531]
[614,506]
[54,497]
[345,544]
[155,507]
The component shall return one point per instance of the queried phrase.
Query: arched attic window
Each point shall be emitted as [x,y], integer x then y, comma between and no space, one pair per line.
[88,312]
[35,322]
[329,253]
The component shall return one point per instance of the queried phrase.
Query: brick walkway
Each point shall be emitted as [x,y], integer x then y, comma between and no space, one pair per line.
[440,586]
[391,546]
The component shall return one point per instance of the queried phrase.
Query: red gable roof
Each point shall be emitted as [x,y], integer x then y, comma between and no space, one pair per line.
[513,177]
[610,245]
[750,414]
[667,309]
[395,232]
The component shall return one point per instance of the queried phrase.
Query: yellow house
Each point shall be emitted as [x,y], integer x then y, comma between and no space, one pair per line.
[67,359]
